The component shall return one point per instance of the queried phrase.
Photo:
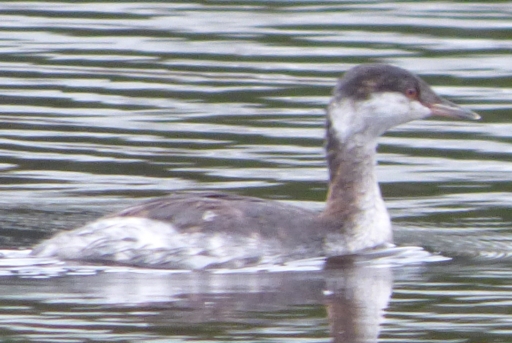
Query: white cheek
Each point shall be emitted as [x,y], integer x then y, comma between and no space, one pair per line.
[386,110]
[372,117]
[418,110]
[385,106]
[393,108]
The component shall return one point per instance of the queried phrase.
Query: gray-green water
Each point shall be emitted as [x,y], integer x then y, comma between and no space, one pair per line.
[103,104]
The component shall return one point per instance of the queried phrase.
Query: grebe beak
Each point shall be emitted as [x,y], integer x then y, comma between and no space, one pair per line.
[450,110]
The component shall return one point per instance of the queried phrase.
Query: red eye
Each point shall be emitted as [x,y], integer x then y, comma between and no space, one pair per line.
[411,93]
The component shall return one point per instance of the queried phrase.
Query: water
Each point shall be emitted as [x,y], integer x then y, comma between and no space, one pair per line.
[107,103]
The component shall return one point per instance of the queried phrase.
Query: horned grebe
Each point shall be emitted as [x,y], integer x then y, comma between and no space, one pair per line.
[208,230]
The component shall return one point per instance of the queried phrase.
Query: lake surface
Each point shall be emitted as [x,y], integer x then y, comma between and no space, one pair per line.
[104,104]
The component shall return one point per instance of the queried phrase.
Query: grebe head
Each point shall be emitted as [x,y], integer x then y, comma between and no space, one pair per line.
[370,99]
[367,101]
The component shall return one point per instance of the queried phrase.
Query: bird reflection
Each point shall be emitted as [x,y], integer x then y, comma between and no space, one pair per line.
[256,304]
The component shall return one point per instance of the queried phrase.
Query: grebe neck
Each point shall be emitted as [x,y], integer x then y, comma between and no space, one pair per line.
[354,199]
